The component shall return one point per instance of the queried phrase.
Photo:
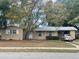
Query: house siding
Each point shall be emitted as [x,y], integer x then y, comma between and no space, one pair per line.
[34,35]
[17,36]
[72,33]
[43,35]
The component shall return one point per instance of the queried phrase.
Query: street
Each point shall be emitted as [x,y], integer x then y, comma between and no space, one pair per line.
[36,55]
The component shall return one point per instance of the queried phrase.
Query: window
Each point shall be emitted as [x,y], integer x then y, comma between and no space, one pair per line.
[7,31]
[50,33]
[39,34]
[14,31]
[10,31]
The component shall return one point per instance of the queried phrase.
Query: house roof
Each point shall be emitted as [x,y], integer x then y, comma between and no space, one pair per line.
[55,29]
[13,26]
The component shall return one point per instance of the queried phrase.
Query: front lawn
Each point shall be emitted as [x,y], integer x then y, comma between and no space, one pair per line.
[59,43]
[35,43]
[77,40]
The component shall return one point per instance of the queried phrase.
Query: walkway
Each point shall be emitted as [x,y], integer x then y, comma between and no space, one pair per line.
[39,48]
[72,43]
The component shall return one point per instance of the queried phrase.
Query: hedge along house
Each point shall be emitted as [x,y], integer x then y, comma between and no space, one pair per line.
[43,33]
[11,33]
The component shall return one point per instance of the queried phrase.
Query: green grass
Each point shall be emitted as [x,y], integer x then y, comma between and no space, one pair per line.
[59,43]
[77,40]
[36,43]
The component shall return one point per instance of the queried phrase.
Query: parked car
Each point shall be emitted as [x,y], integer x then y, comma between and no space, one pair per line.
[68,38]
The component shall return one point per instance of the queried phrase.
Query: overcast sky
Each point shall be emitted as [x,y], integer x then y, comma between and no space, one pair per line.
[44,1]
[52,0]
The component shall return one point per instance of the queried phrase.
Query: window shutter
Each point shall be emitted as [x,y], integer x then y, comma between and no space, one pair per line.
[17,32]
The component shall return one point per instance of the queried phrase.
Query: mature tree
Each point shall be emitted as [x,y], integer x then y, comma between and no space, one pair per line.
[4,6]
[75,21]
[73,8]
[55,13]
[26,13]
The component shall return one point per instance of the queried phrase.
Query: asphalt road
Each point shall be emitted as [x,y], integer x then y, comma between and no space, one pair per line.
[29,55]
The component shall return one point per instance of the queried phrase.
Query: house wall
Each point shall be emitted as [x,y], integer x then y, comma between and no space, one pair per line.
[35,35]
[43,36]
[72,33]
[17,36]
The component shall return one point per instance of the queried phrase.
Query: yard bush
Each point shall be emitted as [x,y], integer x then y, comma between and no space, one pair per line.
[52,38]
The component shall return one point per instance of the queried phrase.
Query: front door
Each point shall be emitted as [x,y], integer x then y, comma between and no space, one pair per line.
[61,34]
[0,37]
[49,37]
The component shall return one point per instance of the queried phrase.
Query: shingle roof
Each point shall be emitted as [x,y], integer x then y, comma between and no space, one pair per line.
[55,29]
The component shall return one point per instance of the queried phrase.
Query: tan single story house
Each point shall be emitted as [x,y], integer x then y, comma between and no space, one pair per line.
[41,33]
[11,33]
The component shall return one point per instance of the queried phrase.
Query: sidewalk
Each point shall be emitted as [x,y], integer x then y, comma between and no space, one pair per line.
[11,48]
[74,44]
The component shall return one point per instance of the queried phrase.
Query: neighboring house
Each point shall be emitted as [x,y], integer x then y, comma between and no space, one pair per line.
[42,33]
[11,33]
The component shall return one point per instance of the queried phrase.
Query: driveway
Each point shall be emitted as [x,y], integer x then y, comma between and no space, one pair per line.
[74,44]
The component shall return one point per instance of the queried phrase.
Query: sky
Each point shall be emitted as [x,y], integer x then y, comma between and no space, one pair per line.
[52,0]
[44,1]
